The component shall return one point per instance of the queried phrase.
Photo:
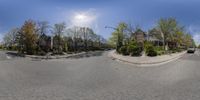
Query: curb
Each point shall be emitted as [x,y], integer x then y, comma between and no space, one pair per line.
[54,57]
[148,64]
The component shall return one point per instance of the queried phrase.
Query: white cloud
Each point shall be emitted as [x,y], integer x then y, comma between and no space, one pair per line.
[195,31]
[1,37]
[196,38]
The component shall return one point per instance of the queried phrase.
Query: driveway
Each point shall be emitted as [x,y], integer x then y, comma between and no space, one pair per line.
[98,77]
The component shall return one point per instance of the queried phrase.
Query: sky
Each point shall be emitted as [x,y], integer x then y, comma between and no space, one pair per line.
[100,13]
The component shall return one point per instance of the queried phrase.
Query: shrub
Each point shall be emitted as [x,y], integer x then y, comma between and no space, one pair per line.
[174,50]
[159,50]
[134,50]
[42,53]
[58,51]
[1,47]
[13,47]
[65,48]
[123,50]
[151,51]
[178,50]
[147,45]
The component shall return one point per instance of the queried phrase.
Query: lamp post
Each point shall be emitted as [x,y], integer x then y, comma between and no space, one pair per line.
[85,38]
[118,44]
[51,42]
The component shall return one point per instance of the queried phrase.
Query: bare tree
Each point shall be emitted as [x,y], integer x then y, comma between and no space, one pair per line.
[58,31]
[42,27]
[10,38]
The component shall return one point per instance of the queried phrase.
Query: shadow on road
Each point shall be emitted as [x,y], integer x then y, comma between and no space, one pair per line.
[14,54]
[79,56]
[88,54]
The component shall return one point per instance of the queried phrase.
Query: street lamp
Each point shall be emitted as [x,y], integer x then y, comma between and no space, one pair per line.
[111,28]
[118,44]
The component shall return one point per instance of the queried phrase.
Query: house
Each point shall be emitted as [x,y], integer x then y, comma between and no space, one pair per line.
[140,36]
[154,40]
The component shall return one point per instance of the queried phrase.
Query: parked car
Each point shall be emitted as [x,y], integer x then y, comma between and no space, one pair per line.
[191,50]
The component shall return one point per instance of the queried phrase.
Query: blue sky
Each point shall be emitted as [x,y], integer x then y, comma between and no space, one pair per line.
[100,13]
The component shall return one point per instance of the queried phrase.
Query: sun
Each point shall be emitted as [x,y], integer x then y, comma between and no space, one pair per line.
[83,18]
[80,17]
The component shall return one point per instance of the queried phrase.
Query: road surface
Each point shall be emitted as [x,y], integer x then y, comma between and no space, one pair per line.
[97,77]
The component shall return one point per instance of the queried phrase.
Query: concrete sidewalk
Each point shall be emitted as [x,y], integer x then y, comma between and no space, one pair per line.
[147,61]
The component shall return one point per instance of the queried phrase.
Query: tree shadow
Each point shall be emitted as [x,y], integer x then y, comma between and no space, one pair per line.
[15,54]
[88,54]
[79,56]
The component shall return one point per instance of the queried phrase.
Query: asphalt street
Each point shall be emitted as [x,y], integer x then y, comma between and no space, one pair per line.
[98,77]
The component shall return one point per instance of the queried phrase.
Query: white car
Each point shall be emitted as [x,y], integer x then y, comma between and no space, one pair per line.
[191,50]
